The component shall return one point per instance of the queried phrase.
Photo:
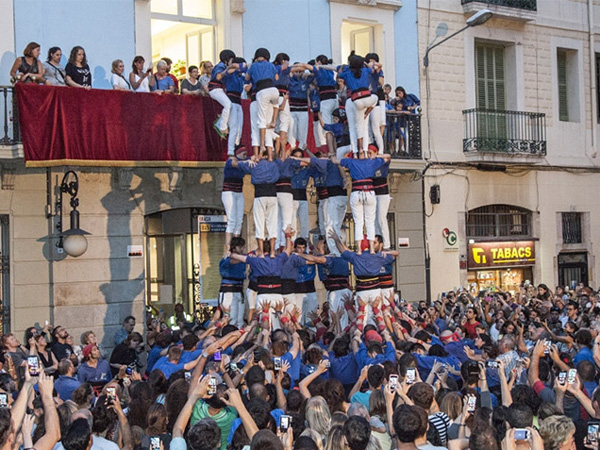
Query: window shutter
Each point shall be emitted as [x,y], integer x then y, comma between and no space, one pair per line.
[563,106]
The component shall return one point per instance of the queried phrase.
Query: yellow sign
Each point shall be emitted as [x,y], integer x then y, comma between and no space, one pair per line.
[491,254]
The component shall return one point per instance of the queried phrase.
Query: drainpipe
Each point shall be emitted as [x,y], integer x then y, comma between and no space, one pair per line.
[425,244]
[593,86]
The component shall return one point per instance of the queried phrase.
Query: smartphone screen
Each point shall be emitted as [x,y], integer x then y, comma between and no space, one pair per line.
[472,402]
[592,434]
[3,400]
[33,364]
[393,382]
[571,376]
[410,375]
[562,377]
[212,386]
[217,355]
[277,363]
[155,443]
[492,364]
[188,377]
[521,434]
[111,393]
[285,422]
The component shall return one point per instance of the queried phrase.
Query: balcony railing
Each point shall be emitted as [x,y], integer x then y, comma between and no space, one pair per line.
[509,132]
[529,5]
[10,133]
[403,135]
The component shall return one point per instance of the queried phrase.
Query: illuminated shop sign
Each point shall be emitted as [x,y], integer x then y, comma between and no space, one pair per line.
[496,254]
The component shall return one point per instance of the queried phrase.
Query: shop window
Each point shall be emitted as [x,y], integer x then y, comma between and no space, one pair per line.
[571,228]
[499,221]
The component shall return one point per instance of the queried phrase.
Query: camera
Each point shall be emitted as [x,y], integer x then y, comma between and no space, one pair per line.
[285,423]
[33,365]
[522,434]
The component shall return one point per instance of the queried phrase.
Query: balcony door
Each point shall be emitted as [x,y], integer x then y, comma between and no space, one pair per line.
[491,93]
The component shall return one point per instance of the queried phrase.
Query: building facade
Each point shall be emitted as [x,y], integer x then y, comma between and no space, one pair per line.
[155,233]
[510,131]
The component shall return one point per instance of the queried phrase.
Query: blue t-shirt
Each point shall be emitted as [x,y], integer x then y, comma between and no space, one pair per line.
[362,169]
[324,77]
[299,86]
[262,70]
[217,69]
[164,84]
[232,272]
[366,264]
[232,172]
[264,172]
[267,266]
[284,76]
[374,81]
[290,268]
[354,83]
[168,368]
[234,82]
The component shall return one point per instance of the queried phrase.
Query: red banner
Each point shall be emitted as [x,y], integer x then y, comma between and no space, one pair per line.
[70,126]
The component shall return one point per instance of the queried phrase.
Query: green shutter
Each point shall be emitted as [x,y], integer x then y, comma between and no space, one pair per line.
[489,68]
[563,106]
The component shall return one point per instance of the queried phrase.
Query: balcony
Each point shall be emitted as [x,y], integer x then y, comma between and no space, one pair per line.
[403,136]
[509,133]
[519,10]
[10,134]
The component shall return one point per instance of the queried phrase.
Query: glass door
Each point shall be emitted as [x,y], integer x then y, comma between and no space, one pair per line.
[167,265]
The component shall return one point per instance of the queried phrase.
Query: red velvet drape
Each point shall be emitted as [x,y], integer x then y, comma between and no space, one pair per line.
[62,125]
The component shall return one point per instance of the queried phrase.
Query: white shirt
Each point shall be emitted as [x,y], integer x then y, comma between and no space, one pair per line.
[118,81]
[144,85]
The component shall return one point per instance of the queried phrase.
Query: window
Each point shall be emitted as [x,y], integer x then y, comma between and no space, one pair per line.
[359,37]
[183,30]
[499,221]
[489,69]
[571,228]
[563,99]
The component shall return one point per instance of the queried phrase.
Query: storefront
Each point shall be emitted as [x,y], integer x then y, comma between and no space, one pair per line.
[500,265]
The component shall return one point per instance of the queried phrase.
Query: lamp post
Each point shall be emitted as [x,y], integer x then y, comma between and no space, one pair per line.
[72,241]
[479,18]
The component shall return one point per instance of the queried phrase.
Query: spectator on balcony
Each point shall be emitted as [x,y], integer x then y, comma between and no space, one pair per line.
[191,85]
[405,103]
[54,71]
[163,83]
[118,81]
[28,68]
[205,73]
[173,77]
[77,70]
[141,80]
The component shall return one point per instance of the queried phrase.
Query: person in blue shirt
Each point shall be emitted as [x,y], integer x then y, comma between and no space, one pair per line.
[298,98]
[66,382]
[377,116]
[382,200]
[343,363]
[216,90]
[163,83]
[284,118]
[234,85]
[314,104]
[233,273]
[285,197]
[171,363]
[360,102]
[263,175]
[299,181]
[232,196]
[94,368]
[263,76]
[323,71]
[363,203]
[583,339]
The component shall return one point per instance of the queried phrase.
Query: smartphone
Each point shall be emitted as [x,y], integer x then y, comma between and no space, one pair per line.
[33,364]
[592,433]
[547,345]
[522,434]
[327,363]
[562,377]
[128,371]
[491,364]
[257,354]
[285,423]
[217,355]
[471,402]
[233,367]
[393,382]
[188,377]
[155,443]
[277,363]
[443,295]
[111,393]
[212,386]
[411,375]
[571,376]
[3,400]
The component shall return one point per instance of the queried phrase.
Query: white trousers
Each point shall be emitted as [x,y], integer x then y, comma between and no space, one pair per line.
[233,202]
[251,297]
[308,304]
[267,99]
[368,297]
[301,215]
[220,96]
[319,134]
[336,301]
[265,216]
[357,122]
[322,215]
[235,302]
[364,207]
[284,118]
[272,299]
[375,127]
[269,135]
[236,123]
[300,128]
[381,223]
[336,211]
[285,215]
[327,108]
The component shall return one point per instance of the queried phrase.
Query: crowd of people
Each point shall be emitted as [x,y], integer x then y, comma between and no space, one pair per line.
[499,370]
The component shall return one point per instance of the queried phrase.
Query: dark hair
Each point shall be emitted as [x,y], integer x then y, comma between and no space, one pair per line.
[51,52]
[137,59]
[30,48]
[255,375]
[483,438]
[334,395]
[64,365]
[192,68]
[83,394]
[236,241]
[226,55]
[280,58]
[78,436]
[262,53]
[175,399]
[73,55]
[260,411]
[519,415]
[341,346]
[141,399]
[375,375]
[265,440]
[407,423]
[356,64]
[158,383]
[372,56]
[358,432]
[5,425]
[157,419]
[421,394]
[322,59]
[583,337]
[295,400]
[204,435]
[586,370]
[525,394]
[299,241]
[103,417]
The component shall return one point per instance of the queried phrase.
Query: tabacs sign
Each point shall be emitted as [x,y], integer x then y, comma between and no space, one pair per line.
[497,254]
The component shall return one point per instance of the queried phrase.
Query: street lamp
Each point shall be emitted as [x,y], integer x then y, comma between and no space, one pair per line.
[72,241]
[479,18]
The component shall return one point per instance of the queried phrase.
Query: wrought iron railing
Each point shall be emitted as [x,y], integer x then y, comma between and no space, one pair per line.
[529,5]
[403,135]
[10,133]
[513,132]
